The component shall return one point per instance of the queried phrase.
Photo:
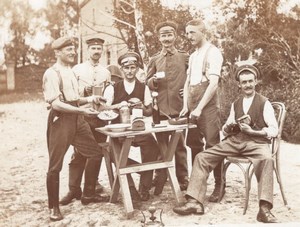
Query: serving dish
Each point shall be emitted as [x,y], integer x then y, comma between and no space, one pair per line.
[178,121]
[108,115]
[118,127]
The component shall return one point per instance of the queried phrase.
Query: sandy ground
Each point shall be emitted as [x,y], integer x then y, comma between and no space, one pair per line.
[23,197]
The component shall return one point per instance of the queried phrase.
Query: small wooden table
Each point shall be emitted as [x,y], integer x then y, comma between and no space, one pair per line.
[121,143]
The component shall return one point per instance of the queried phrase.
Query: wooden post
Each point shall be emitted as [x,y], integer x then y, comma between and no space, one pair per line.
[10,75]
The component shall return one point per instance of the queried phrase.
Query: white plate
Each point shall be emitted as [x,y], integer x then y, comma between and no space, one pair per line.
[107,115]
[118,127]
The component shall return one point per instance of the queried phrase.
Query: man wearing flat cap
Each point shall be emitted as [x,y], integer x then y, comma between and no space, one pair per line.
[172,64]
[122,92]
[66,124]
[90,74]
[250,140]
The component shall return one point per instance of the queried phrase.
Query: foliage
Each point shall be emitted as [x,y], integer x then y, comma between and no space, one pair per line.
[258,31]
[151,17]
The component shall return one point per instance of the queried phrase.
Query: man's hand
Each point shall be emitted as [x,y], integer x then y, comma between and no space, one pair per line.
[232,128]
[90,112]
[181,92]
[195,113]
[89,90]
[245,128]
[183,112]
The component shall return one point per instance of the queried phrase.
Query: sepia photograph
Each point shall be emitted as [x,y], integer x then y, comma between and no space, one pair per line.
[149,113]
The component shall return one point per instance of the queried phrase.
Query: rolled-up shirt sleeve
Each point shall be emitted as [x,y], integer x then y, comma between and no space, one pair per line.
[270,120]
[51,88]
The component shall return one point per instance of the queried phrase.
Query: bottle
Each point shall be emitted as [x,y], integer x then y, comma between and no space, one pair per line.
[155,111]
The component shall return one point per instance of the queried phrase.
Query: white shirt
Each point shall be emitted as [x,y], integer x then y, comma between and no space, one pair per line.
[214,63]
[129,87]
[268,114]
[89,75]
[52,83]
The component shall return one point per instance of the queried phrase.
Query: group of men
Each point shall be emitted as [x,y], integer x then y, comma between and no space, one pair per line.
[188,87]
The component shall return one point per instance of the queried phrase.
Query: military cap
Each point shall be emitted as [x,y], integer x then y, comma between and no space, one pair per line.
[129,58]
[249,68]
[62,42]
[166,27]
[94,41]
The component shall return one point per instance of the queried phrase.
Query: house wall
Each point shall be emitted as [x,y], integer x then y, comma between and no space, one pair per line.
[94,23]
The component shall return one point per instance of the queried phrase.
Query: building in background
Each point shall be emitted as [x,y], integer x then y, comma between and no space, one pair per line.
[96,20]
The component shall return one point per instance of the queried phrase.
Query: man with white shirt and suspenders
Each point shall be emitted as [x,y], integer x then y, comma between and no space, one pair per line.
[200,96]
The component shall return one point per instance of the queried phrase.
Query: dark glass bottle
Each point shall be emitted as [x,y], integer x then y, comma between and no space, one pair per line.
[155,111]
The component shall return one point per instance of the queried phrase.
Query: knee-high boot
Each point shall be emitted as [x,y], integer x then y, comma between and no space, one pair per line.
[53,196]
[90,177]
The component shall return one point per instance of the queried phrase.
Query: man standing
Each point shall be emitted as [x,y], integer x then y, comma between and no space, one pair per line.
[250,140]
[89,74]
[121,93]
[200,96]
[66,125]
[172,65]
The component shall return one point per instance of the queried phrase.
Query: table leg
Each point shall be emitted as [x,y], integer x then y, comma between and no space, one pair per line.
[121,157]
[171,170]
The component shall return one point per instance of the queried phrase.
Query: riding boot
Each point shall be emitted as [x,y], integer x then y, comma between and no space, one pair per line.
[53,188]
[90,177]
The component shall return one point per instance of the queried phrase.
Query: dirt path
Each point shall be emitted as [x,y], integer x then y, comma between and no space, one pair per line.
[23,198]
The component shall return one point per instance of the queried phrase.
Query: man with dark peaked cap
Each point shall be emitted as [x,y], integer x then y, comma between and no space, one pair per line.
[66,124]
[89,74]
[173,63]
[250,139]
[120,94]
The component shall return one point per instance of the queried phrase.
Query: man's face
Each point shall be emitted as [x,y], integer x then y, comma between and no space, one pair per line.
[67,54]
[95,52]
[167,39]
[130,72]
[247,83]
[195,35]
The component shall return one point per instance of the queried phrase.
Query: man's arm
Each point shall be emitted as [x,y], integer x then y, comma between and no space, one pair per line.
[151,70]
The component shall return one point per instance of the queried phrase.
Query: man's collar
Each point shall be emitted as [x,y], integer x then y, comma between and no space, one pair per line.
[172,51]
[92,63]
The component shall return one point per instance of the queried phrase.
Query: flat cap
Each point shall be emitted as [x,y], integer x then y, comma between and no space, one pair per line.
[249,68]
[63,42]
[94,41]
[130,58]
[166,27]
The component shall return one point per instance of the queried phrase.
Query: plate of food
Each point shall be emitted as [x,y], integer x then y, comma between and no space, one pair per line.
[178,121]
[108,115]
[118,127]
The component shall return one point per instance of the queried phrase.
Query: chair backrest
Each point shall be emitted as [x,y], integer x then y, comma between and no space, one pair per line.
[280,113]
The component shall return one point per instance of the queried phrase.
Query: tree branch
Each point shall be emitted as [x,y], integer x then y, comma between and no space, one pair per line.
[116,19]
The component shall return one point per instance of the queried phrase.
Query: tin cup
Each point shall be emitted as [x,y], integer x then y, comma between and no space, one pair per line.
[160,75]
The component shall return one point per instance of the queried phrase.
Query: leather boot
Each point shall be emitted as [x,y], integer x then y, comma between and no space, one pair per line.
[90,176]
[264,215]
[214,197]
[67,199]
[192,206]
[53,188]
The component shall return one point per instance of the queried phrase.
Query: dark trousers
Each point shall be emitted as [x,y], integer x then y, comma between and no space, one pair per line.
[149,152]
[181,165]
[65,129]
[79,163]
[208,127]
